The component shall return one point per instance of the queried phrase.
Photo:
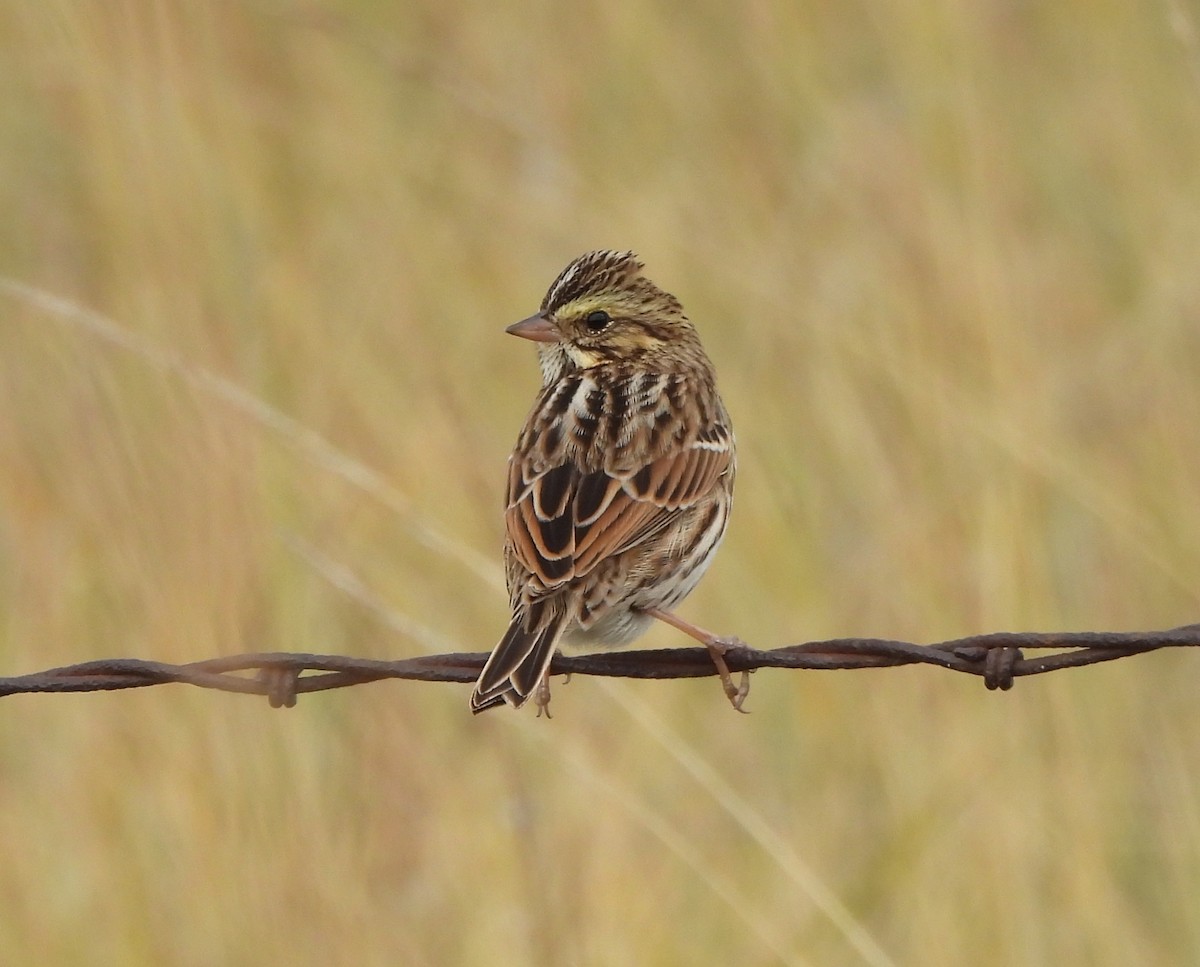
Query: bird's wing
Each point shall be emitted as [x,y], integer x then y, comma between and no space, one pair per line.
[564,520]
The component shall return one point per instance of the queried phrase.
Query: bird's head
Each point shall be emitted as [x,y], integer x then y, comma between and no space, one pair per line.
[601,309]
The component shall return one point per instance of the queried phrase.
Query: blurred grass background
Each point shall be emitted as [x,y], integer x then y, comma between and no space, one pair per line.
[945,257]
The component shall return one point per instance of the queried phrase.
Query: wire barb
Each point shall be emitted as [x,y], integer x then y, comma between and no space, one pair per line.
[999,659]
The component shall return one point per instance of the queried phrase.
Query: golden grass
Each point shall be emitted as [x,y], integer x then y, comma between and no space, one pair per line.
[945,258]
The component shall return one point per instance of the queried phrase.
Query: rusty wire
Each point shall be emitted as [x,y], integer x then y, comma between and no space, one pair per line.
[997,658]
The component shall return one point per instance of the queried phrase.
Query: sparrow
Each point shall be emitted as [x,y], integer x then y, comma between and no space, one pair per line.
[621,482]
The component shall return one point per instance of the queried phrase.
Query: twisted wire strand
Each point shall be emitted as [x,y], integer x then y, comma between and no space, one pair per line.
[998,658]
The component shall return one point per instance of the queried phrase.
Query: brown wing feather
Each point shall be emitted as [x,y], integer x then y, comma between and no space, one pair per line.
[563,521]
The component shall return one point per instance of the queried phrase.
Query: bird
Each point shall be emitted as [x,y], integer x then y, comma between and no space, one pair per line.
[621,482]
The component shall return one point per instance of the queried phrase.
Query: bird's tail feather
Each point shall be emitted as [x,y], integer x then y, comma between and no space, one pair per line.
[518,663]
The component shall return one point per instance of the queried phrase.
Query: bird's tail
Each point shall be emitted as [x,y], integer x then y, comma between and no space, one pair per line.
[519,661]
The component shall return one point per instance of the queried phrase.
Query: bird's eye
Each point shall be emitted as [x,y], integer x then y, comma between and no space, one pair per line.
[598,320]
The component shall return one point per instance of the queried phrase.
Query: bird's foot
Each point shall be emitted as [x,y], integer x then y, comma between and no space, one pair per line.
[717,646]
[735,693]
[541,697]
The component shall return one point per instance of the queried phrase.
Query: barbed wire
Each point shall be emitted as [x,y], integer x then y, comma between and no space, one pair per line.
[997,658]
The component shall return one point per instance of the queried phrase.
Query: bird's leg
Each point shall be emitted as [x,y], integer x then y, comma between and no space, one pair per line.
[717,647]
[541,696]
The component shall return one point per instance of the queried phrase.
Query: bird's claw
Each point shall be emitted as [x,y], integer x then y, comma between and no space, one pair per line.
[717,647]
[541,697]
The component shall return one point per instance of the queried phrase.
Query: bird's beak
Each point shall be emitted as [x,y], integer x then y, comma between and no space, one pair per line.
[538,328]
